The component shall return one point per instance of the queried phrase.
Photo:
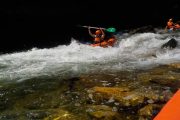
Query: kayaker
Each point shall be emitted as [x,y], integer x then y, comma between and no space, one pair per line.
[98,36]
[100,40]
[176,26]
[170,25]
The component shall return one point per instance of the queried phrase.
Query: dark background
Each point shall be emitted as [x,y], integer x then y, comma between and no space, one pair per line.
[45,24]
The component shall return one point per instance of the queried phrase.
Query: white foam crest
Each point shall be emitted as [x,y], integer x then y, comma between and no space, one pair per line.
[136,51]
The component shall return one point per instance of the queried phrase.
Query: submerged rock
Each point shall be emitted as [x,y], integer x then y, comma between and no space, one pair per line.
[9,116]
[60,114]
[39,114]
[149,111]
[103,112]
[123,96]
[175,65]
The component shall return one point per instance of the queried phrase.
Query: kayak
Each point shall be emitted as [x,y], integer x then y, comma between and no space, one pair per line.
[171,110]
[110,42]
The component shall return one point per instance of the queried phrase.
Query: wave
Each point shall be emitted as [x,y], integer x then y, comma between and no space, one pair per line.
[137,51]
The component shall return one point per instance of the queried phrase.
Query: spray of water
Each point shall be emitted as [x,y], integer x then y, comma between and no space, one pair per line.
[137,51]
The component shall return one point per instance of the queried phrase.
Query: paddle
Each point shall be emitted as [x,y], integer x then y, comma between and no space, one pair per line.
[111,29]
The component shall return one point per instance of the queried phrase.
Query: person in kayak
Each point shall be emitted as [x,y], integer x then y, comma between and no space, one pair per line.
[100,40]
[170,25]
[98,36]
[176,26]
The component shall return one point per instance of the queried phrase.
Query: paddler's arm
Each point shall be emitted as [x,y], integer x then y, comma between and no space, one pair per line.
[103,34]
[165,28]
[90,33]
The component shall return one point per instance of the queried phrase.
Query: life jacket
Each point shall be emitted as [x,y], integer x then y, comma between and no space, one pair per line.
[169,24]
[101,44]
[111,41]
[105,43]
[177,26]
[97,38]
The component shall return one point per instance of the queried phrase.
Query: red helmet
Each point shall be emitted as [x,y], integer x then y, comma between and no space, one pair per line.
[98,32]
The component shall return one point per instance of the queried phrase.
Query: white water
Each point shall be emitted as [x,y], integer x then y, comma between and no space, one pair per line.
[138,51]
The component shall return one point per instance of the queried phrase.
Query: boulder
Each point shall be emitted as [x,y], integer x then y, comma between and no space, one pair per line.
[172,43]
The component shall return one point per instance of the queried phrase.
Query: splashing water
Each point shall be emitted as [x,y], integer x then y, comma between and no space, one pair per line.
[138,51]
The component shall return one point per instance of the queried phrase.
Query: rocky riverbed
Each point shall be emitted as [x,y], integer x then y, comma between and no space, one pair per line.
[124,95]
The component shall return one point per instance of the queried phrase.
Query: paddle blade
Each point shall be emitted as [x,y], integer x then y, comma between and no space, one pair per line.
[111,30]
